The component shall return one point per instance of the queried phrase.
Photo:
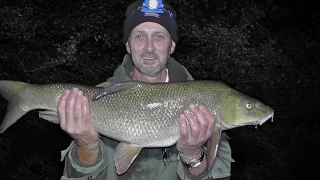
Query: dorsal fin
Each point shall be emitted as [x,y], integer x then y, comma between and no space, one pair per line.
[123,86]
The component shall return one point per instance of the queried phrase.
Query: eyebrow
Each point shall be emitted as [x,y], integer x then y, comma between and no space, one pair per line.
[155,32]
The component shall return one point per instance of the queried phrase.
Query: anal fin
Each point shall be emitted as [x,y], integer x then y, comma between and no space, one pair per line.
[125,155]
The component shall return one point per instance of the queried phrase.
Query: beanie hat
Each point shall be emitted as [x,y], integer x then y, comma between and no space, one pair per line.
[150,11]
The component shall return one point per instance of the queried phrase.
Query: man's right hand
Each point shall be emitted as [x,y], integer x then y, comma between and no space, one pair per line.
[73,111]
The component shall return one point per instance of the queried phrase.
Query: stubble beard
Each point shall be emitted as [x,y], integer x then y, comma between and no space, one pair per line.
[154,71]
[151,71]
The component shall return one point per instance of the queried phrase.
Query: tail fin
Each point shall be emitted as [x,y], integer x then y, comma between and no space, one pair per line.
[10,91]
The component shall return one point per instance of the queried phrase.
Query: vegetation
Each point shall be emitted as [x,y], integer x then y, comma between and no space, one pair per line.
[268,49]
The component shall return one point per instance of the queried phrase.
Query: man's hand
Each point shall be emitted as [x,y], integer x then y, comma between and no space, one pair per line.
[195,129]
[73,111]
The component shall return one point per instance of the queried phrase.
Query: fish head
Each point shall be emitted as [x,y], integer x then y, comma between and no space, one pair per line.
[238,109]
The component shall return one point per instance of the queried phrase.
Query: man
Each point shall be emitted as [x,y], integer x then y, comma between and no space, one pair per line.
[150,36]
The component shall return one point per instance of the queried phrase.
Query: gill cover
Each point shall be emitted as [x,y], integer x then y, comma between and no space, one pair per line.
[238,109]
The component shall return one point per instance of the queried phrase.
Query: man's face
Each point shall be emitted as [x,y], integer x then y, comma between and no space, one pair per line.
[150,46]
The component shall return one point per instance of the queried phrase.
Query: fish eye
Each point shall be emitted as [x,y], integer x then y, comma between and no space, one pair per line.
[248,106]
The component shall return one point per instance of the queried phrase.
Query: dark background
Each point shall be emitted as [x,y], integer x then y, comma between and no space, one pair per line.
[268,49]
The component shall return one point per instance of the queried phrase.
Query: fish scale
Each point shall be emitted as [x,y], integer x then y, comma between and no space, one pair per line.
[152,111]
[145,109]
[140,114]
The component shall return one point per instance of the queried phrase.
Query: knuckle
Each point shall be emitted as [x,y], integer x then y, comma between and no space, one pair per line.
[70,130]
[60,109]
[77,113]
[203,121]
[78,131]
[68,109]
[196,130]
[63,127]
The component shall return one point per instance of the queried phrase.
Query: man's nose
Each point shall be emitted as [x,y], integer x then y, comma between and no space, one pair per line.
[149,46]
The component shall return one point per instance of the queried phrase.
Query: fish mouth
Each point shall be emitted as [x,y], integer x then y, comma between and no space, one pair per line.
[264,119]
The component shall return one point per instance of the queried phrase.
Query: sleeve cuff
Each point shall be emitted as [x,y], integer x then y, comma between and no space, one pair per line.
[184,173]
[70,154]
[221,167]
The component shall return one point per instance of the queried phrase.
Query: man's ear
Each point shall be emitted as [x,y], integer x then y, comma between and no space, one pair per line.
[128,47]
[173,47]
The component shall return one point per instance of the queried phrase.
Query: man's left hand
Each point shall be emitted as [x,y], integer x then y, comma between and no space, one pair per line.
[195,129]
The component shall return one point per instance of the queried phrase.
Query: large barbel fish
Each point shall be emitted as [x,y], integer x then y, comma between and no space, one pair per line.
[139,114]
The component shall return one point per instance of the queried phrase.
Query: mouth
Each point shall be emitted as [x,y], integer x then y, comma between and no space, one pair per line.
[149,57]
[264,119]
[149,60]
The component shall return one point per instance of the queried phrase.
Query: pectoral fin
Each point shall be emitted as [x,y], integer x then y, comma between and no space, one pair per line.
[51,116]
[213,143]
[125,155]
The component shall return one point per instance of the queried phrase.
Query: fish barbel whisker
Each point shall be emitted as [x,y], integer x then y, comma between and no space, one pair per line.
[264,119]
[113,111]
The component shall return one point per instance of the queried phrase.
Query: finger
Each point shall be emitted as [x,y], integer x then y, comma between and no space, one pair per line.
[85,107]
[183,124]
[202,122]
[193,122]
[77,112]
[85,112]
[209,116]
[70,110]
[61,108]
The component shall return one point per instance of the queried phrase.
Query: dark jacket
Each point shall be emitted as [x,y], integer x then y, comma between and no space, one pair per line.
[149,164]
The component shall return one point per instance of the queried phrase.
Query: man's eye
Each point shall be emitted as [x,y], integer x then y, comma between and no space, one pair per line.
[159,37]
[139,36]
